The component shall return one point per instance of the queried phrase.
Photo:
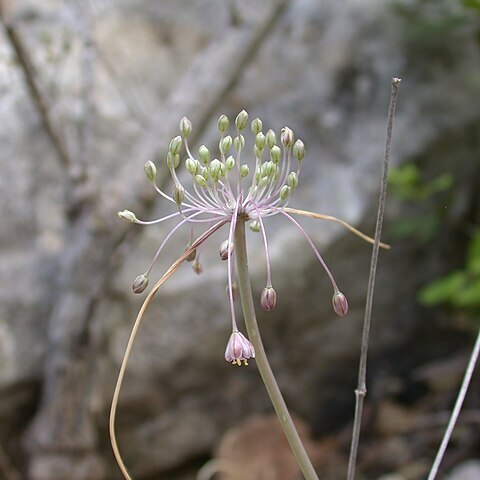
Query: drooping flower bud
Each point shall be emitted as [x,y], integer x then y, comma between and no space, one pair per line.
[271,138]
[204,154]
[226,249]
[197,267]
[256,126]
[178,193]
[192,255]
[299,150]
[185,127]
[128,216]
[244,170]
[175,145]
[223,123]
[340,304]
[140,283]
[286,137]
[239,349]
[150,170]
[241,120]
[268,298]
[255,226]
[275,154]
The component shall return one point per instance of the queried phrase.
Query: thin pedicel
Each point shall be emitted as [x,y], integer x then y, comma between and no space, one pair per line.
[224,191]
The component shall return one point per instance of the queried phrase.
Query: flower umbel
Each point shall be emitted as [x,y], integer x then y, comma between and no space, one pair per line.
[224,190]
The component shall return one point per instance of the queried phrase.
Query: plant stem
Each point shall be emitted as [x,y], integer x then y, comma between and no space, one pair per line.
[261,358]
[361,390]
[456,409]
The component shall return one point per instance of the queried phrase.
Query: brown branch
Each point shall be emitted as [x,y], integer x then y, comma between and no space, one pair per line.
[35,90]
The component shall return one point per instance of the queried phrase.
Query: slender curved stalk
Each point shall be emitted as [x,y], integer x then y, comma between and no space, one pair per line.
[361,390]
[261,358]
[456,409]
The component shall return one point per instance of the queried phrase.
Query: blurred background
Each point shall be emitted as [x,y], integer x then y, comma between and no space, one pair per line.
[92,89]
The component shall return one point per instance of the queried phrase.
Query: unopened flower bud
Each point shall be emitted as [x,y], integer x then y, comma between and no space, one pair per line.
[173,160]
[230,162]
[178,193]
[292,180]
[223,123]
[204,154]
[258,152]
[268,299]
[244,170]
[271,138]
[299,150]
[263,181]
[201,181]
[150,170]
[192,255]
[128,216]
[241,120]
[214,169]
[192,166]
[197,267]
[185,127]
[255,226]
[256,126]
[286,137]
[223,169]
[260,141]
[226,249]
[340,304]
[285,192]
[140,283]
[275,154]
[225,143]
[175,145]
[239,142]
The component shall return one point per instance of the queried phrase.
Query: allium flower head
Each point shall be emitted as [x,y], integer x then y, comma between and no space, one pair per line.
[229,184]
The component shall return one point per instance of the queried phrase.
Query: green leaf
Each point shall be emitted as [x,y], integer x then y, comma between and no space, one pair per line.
[473,254]
[444,289]
[469,296]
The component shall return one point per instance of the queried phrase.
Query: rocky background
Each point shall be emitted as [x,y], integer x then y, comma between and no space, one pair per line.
[117,77]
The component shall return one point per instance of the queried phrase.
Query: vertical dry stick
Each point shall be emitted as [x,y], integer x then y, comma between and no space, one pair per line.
[36,92]
[361,390]
[456,409]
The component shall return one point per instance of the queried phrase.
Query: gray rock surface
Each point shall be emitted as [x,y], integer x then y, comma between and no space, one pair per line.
[325,72]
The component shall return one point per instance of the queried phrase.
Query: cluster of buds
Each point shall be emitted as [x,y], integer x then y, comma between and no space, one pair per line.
[225,188]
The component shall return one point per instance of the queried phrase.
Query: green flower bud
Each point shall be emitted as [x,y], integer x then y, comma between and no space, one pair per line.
[192,166]
[173,160]
[244,170]
[256,126]
[223,123]
[275,154]
[239,142]
[292,180]
[299,150]
[260,140]
[286,137]
[258,152]
[175,145]
[223,169]
[255,226]
[225,143]
[178,193]
[192,255]
[241,120]
[201,181]
[185,127]
[205,173]
[197,267]
[263,181]
[267,169]
[140,283]
[271,138]
[204,154]
[128,216]
[150,170]
[285,192]
[230,162]
[214,169]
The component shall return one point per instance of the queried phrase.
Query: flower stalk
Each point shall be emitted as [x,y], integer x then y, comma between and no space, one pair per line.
[261,358]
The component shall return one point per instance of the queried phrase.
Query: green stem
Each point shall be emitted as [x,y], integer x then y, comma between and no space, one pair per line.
[261,358]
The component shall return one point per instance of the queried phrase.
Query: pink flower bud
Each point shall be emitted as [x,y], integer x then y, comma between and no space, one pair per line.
[268,299]
[239,349]
[340,304]
[140,283]
[226,249]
